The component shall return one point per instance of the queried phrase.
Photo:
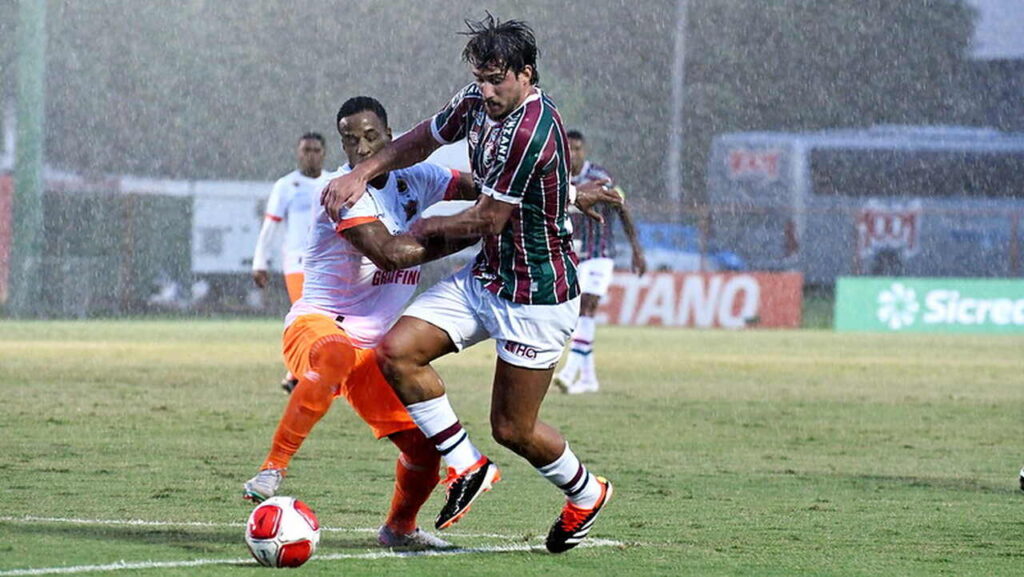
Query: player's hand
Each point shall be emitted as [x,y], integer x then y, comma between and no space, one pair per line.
[260,279]
[342,192]
[639,263]
[589,194]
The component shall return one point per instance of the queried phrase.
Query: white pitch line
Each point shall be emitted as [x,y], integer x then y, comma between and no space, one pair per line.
[331,557]
[248,561]
[145,523]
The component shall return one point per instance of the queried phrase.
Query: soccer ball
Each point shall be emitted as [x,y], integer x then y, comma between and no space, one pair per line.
[282,532]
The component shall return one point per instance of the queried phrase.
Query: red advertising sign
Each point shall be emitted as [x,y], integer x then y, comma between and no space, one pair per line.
[6,192]
[704,300]
[744,163]
[888,226]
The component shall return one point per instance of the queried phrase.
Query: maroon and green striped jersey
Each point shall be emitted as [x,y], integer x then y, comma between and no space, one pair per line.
[595,239]
[522,160]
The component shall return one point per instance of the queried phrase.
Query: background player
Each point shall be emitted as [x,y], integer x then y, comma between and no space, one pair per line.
[290,205]
[522,290]
[596,249]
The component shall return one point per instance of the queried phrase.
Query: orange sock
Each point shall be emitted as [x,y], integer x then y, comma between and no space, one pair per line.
[332,360]
[416,475]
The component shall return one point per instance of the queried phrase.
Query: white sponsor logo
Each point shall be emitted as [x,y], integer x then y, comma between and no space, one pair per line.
[731,302]
[898,307]
[950,307]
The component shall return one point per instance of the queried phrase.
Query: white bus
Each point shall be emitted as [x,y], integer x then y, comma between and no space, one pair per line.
[885,201]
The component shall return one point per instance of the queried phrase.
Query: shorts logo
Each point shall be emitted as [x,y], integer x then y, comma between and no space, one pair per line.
[521,350]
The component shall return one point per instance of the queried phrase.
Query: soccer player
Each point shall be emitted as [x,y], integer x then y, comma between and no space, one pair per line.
[360,272]
[290,205]
[596,252]
[522,290]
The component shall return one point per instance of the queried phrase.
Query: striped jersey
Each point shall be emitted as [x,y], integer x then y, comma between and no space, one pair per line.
[595,239]
[522,160]
[342,282]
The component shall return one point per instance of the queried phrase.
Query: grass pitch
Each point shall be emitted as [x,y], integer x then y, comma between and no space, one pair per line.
[733,453]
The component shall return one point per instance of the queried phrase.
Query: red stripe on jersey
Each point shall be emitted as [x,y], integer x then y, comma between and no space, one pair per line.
[522,138]
[269,216]
[520,268]
[353,222]
[452,192]
[455,115]
[553,206]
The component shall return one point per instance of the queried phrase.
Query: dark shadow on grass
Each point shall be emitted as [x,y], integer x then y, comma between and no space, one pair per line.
[193,540]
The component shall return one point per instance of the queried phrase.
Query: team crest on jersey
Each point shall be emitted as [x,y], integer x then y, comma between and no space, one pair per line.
[477,128]
[490,144]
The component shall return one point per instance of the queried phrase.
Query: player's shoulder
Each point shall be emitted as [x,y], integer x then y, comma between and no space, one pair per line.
[291,178]
[421,173]
[471,90]
[469,94]
[598,172]
[417,170]
[328,175]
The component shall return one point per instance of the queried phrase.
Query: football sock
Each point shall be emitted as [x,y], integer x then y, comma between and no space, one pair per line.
[437,420]
[415,479]
[332,360]
[581,347]
[569,475]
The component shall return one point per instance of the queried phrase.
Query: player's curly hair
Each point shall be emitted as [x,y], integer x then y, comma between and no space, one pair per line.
[358,104]
[509,44]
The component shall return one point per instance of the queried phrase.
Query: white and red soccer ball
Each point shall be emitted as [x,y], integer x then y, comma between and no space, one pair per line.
[282,532]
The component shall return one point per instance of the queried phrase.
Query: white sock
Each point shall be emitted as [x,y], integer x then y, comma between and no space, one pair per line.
[569,475]
[588,331]
[580,347]
[437,420]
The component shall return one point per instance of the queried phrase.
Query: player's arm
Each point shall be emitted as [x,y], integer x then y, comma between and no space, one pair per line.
[639,262]
[589,194]
[391,252]
[412,147]
[487,216]
[261,255]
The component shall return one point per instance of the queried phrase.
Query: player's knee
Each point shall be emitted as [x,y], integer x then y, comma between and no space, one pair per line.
[393,358]
[510,434]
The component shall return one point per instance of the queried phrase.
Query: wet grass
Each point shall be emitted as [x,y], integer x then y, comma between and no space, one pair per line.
[733,453]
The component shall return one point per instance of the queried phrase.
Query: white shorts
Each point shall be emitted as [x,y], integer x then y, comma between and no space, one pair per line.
[596,275]
[528,336]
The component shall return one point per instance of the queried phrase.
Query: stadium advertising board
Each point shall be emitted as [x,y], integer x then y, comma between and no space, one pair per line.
[704,300]
[920,305]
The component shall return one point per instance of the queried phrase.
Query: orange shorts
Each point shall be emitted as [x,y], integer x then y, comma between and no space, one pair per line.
[365,388]
[293,282]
